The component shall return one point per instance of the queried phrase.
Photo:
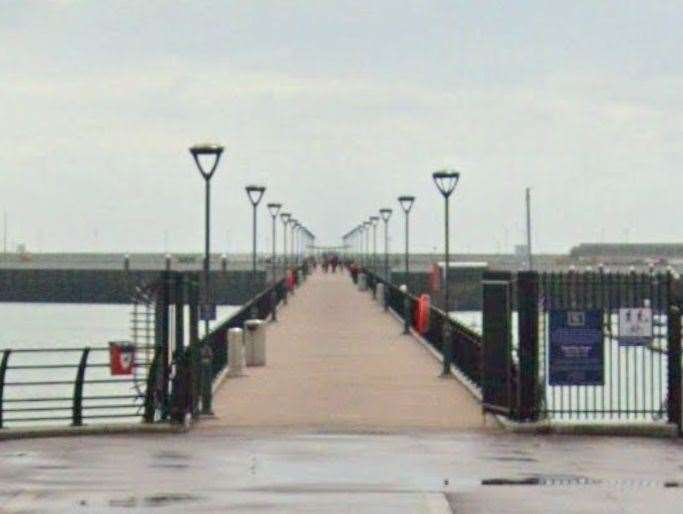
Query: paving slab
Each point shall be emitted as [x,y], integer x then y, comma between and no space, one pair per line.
[337,362]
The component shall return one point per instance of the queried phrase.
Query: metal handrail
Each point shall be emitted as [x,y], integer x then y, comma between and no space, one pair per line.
[77,403]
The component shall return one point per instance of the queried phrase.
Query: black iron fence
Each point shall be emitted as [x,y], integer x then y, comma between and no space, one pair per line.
[196,365]
[57,385]
[588,346]
[466,344]
[627,377]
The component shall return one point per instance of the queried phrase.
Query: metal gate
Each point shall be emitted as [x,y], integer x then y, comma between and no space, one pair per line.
[609,347]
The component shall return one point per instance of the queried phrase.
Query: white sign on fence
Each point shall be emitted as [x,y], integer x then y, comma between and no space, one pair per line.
[635,326]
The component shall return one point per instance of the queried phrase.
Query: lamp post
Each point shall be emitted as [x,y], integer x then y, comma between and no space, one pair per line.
[407,204]
[274,210]
[366,233]
[255,193]
[294,223]
[385,214]
[445,181]
[374,220]
[285,216]
[203,154]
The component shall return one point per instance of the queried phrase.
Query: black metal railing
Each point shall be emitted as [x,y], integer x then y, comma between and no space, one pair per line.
[43,385]
[633,381]
[466,343]
[192,380]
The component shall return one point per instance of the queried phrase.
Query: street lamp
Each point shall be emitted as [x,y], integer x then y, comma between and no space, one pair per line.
[285,217]
[373,221]
[255,193]
[274,209]
[445,181]
[385,214]
[407,204]
[366,229]
[206,157]
[294,224]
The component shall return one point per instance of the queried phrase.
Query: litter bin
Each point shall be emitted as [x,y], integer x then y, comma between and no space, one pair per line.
[235,351]
[255,342]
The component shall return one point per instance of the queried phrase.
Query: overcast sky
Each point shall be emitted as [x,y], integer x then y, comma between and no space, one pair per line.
[338,108]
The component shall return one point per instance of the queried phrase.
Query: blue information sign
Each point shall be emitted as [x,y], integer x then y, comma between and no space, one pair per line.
[576,348]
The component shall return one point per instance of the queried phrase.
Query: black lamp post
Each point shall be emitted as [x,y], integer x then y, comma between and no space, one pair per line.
[285,217]
[407,204]
[203,155]
[206,157]
[295,224]
[255,193]
[385,213]
[274,209]
[445,181]
[374,220]
[366,235]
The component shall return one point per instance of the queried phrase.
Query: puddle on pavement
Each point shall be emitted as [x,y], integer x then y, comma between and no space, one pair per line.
[574,481]
[157,500]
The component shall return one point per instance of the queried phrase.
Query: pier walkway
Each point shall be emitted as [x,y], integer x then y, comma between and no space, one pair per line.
[338,363]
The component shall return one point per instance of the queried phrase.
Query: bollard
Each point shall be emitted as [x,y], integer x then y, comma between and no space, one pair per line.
[255,342]
[235,338]
[362,282]
[406,309]
[168,262]
[379,293]
[206,358]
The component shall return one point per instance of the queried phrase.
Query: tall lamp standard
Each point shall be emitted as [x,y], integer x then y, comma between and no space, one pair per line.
[385,214]
[285,216]
[366,232]
[255,193]
[203,154]
[295,224]
[274,209]
[374,220]
[445,181]
[407,204]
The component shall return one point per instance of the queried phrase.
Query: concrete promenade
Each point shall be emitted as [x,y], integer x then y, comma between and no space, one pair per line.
[337,362]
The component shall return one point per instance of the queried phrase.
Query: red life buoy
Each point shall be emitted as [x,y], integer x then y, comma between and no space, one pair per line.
[422,320]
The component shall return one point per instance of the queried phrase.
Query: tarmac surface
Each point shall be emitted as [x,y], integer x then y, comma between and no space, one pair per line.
[337,361]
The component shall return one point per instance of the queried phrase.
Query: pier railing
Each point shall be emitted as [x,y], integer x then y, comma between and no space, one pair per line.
[466,343]
[52,385]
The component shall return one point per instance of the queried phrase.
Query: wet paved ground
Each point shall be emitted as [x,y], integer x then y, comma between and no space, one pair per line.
[337,361]
[363,444]
[276,472]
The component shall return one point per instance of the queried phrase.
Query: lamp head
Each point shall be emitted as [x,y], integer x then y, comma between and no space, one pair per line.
[206,157]
[274,209]
[406,203]
[385,213]
[446,180]
[255,193]
[374,220]
[285,217]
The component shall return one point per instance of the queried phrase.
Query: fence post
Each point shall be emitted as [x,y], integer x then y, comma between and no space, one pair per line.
[674,366]
[195,360]
[3,372]
[206,357]
[77,408]
[527,329]
[150,393]
[496,361]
